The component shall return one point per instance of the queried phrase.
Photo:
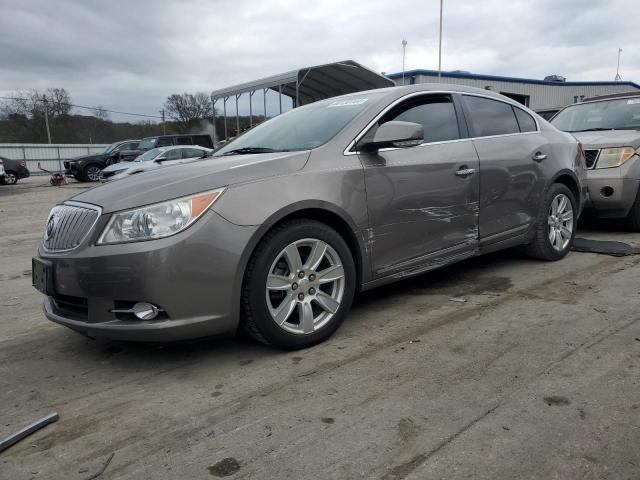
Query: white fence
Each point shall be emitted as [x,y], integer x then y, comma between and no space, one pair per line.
[49,156]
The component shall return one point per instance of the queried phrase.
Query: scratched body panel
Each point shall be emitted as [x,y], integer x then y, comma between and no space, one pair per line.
[418,206]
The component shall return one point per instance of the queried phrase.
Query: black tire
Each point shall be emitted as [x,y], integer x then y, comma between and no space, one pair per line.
[632,221]
[256,319]
[10,178]
[540,246]
[88,170]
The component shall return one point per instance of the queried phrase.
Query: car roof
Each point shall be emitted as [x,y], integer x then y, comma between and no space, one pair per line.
[173,147]
[611,96]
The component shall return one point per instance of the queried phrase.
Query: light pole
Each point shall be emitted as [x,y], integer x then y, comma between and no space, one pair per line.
[440,45]
[618,77]
[404,49]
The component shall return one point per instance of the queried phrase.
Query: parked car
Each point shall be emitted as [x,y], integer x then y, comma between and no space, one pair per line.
[280,228]
[155,158]
[609,129]
[14,170]
[2,174]
[87,168]
[168,140]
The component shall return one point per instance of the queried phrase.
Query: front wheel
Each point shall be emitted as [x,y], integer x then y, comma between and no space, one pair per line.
[92,173]
[299,285]
[555,227]
[632,221]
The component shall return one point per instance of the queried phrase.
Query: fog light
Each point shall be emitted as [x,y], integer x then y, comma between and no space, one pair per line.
[145,311]
[606,191]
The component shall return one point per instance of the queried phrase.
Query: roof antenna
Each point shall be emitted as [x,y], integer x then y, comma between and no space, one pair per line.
[618,77]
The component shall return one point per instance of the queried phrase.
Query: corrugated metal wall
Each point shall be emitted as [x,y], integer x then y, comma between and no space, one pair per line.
[50,156]
[542,97]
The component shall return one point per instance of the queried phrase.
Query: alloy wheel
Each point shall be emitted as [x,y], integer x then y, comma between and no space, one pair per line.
[10,178]
[93,173]
[560,222]
[305,286]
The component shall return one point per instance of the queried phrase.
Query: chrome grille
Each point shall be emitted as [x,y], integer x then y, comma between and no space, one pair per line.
[591,156]
[67,226]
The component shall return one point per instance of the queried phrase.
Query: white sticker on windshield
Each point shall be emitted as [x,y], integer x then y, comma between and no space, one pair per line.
[348,103]
[633,101]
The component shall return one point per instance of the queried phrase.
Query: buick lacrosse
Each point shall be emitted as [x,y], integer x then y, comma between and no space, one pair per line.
[280,229]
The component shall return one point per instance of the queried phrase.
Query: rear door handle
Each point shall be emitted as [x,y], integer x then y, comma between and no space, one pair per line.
[539,156]
[465,172]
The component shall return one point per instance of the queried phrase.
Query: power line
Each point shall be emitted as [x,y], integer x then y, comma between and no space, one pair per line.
[84,106]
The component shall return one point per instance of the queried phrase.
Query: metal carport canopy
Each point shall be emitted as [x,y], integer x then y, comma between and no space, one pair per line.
[307,85]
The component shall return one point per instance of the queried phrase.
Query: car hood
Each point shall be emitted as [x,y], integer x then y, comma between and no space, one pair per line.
[185,179]
[96,156]
[609,138]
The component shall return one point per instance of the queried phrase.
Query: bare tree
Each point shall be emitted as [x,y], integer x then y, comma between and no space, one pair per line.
[30,103]
[187,109]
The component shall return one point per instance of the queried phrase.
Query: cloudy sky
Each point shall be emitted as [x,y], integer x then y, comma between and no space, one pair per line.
[130,55]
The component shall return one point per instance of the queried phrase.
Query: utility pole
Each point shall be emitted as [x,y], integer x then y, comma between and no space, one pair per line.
[440,45]
[404,48]
[46,117]
[164,128]
[618,77]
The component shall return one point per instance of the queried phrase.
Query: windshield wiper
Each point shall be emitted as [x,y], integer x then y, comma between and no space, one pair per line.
[250,150]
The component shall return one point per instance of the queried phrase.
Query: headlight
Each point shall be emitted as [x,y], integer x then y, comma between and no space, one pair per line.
[157,221]
[614,157]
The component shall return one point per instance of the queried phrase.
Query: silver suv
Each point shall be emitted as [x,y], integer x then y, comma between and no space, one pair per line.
[609,129]
[281,227]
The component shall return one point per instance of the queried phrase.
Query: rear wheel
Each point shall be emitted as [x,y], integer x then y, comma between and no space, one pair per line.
[632,221]
[299,285]
[91,173]
[555,226]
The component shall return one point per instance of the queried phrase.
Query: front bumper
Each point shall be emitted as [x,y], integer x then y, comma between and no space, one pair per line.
[612,191]
[70,168]
[194,276]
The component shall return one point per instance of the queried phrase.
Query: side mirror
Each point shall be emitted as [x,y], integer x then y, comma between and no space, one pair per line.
[395,134]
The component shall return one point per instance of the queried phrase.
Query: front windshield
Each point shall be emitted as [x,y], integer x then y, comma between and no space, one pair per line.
[111,147]
[618,114]
[302,128]
[147,143]
[150,155]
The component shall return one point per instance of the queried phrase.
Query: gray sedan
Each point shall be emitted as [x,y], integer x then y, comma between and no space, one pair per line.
[283,226]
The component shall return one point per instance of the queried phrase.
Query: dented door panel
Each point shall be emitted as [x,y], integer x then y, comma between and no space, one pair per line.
[419,207]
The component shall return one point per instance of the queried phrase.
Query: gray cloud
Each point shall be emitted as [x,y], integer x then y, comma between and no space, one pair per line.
[130,55]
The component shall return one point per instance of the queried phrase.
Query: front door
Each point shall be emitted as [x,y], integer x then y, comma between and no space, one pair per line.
[422,201]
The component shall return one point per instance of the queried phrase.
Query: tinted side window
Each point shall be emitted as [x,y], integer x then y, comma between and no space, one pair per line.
[436,114]
[202,140]
[175,154]
[164,142]
[183,141]
[490,117]
[526,121]
[192,153]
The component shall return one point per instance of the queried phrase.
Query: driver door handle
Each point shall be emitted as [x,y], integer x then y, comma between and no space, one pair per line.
[465,172]
[539,156]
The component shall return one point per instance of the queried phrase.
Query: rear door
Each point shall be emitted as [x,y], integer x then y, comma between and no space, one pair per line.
[422,200]
[511,179]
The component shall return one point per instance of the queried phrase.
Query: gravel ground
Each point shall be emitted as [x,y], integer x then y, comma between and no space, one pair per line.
[535,375]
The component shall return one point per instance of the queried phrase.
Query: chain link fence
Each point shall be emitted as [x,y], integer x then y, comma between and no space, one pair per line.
[49,156]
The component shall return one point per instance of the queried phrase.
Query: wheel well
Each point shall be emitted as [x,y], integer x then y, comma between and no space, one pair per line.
[338,224]
[571,184]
